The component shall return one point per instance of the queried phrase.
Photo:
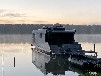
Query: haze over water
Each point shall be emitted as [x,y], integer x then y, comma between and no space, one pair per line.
[18,46]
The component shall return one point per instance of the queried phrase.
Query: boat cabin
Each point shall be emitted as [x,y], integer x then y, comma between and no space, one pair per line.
[55,38]
[58,36]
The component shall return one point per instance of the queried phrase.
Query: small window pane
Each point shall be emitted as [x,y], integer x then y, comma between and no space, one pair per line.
[40,35]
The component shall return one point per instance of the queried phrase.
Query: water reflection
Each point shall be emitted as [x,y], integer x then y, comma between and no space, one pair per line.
[57,65]
[22,54]
[18,46]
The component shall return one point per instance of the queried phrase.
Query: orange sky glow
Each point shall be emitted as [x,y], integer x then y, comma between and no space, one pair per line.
[50,11]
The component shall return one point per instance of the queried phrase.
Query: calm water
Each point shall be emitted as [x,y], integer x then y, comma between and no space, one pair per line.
[29,63]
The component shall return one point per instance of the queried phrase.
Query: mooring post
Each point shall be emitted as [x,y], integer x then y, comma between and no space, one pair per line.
[14,61]
[94,47]
[94,50]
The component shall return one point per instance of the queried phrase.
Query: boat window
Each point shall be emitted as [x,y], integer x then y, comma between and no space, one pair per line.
[59,38]
[33,34]
[40,35]
[33,37]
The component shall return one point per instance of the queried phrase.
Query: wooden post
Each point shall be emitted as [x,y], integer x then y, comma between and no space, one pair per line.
[14,61]
[94,47]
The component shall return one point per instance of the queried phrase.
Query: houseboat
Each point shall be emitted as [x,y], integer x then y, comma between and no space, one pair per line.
[57,40]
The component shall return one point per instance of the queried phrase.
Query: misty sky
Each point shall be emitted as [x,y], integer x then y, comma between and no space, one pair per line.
[50,11]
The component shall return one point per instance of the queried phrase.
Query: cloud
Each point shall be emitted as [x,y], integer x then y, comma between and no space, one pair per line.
[41,21]
[6,21]
[13,15]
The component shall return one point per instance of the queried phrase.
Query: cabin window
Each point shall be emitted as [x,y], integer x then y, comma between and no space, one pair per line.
[59,38]
[33,37]
[40,35]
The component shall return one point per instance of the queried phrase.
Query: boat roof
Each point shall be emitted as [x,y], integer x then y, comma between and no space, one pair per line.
[57,28]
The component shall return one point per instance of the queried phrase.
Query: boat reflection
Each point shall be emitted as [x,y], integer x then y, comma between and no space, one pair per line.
[57,64]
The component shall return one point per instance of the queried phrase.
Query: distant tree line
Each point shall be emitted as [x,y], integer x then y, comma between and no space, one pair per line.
[85,29]
[27,28]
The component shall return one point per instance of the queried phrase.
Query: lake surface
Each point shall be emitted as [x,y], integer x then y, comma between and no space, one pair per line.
[18,46]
